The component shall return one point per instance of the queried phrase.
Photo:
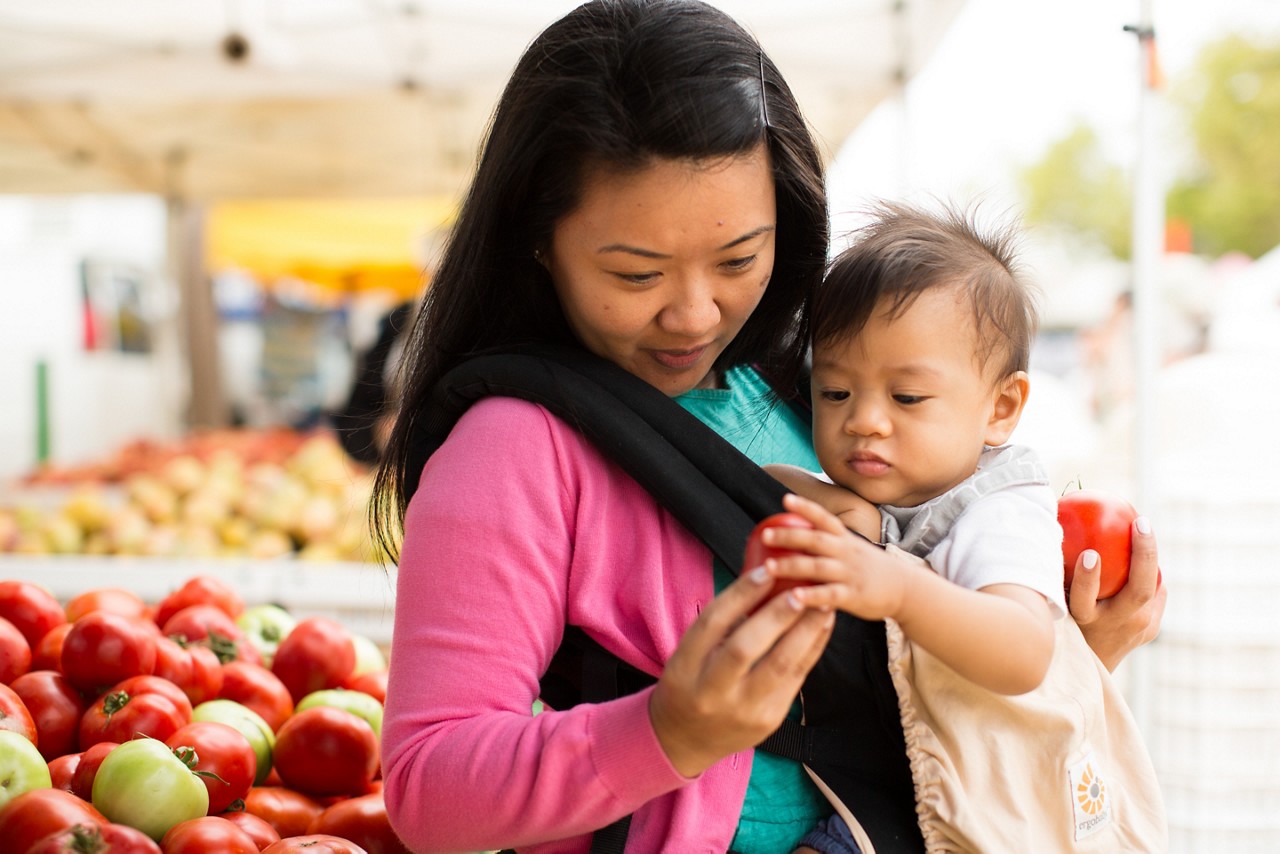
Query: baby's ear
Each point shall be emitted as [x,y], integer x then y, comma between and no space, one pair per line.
[1006,407]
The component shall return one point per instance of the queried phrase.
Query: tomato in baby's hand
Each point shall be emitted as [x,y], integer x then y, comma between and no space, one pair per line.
[757,551]
[1102,521]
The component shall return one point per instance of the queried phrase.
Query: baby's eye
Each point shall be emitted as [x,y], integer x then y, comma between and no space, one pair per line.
[738,265]
[834,395]
[909,399]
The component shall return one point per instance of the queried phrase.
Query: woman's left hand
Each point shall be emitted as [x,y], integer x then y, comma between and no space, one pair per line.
[1115,627]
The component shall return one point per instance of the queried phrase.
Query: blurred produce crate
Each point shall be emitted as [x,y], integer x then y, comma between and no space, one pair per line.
[359,595]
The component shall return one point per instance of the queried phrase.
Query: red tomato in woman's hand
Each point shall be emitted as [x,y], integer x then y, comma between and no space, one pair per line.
[326,751]
[319,653]
[56,708]
[757,552]
[290,813]
[32,609]
[207,835]
[102,649]
[364,821]
[225,760]
[1102,521]
[33,815]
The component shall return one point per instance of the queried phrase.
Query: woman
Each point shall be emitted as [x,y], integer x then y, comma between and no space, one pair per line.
[648,192]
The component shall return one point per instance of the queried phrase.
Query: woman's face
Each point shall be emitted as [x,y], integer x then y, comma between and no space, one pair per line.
[657,270]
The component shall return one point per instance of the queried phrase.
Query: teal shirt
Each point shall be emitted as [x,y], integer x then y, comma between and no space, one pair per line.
[782,804]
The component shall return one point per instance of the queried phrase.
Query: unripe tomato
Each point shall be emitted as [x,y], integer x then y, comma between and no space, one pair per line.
[144,785]
[1102,521]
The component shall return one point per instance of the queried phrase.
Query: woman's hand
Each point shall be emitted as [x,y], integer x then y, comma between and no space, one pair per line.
[1115,627]
[732,679]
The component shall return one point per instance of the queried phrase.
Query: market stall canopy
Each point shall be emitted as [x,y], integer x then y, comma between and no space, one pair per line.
[209,100]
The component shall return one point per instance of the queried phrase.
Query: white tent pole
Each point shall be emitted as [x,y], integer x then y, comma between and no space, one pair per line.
[1148,246]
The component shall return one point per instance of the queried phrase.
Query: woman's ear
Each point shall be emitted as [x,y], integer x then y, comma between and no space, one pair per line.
[1006,407]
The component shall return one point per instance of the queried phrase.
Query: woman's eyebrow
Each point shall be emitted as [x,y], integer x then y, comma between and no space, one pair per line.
[649,253]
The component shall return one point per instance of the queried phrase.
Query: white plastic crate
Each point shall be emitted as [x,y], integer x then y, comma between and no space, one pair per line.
[359,595]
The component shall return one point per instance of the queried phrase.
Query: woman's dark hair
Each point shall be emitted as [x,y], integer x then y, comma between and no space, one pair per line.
[617,84]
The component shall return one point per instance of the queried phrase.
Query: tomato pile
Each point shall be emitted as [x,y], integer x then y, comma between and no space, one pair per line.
[195,724]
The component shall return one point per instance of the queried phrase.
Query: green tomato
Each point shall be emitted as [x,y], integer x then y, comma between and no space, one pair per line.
[22,768]
[369,655]
[357,703]
[240,717]
[143,784]
[265,626]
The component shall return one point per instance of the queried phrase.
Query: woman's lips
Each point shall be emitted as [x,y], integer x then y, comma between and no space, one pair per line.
[678,360]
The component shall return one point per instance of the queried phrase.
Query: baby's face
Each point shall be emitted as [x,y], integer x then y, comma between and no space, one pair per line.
[902,410]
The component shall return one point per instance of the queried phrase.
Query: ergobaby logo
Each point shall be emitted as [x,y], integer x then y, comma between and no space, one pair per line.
[1090,798]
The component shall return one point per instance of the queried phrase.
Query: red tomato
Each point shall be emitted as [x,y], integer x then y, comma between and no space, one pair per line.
[200,590]
[87,769]
[207,835]
[90,839]
[113,600]
[313,843]
[371,682]
[195,669]
[32,609]
[259,829]
[15,652]
[62,769]
[225,754]
[56,708]
[256,687]
[33,815]
[326,751]
[47,654]
[102,649]
[364,821]
[1102,521]
[290,813]
[210,625]
[757,551]
[317,654]
[142,705]
[15,715]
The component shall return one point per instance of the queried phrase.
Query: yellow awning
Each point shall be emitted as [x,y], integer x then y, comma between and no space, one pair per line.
[341,244]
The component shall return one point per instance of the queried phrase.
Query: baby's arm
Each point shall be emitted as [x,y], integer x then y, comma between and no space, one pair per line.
[1000,637]
[857,513]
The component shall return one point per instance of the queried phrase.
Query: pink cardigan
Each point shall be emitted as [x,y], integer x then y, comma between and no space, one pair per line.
[519,525]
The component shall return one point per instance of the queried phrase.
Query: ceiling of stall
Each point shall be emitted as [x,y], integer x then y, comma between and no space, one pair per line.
[209,100]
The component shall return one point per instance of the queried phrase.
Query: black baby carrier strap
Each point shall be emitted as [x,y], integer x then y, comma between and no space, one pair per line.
[718,494]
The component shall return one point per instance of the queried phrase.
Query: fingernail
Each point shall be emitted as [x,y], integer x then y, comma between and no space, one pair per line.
[759,575]
[1143,524]
[1090,560]
[793,601]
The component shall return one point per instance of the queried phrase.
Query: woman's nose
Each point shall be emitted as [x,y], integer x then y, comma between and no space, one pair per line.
[692,310]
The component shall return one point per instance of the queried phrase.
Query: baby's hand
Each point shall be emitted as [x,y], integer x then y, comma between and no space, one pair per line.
[847,572]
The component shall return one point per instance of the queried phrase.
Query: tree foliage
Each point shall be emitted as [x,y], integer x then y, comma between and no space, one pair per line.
[1231,198]
[1228,192]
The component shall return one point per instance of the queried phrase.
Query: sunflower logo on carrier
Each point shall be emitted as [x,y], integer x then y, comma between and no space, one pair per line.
[1090,798]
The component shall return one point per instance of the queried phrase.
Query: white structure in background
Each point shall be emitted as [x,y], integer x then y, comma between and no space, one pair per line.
[1214,722]
[97,399]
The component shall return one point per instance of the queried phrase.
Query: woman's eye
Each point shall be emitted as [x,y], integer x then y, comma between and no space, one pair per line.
[638,278]
[737,265]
